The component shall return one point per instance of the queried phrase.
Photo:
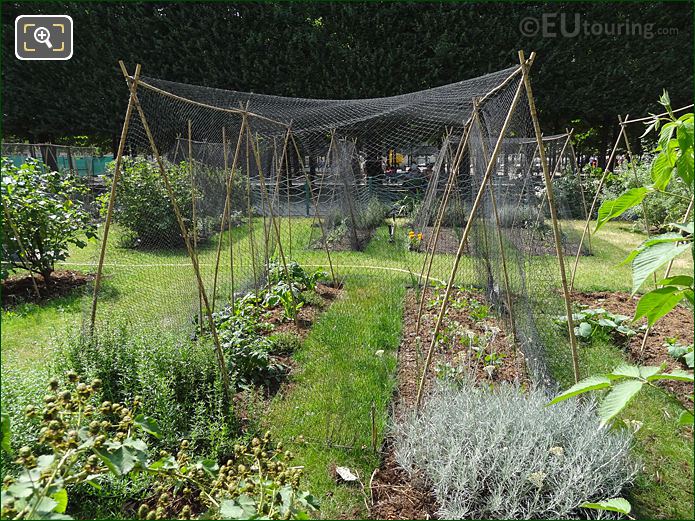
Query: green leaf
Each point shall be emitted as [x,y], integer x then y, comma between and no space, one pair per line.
[148,424]
[230,510]
[6,433]
[616,504]
[626,370]
[685,418]
[613,208]
[677,374]
[652,258]
[592,383]
[61,498]
[120,462]
[618,397]
[661,171]
[678,280]
[584,330]
[657,303]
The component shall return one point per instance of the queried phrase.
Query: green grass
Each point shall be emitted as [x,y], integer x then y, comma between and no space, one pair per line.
[341,375]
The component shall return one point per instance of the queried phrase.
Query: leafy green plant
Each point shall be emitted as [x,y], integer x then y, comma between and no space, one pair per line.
[79,442]
[623,384]
[41,217]
[590,321]
[284,343]
[142,202]
[673,163]
[680,351]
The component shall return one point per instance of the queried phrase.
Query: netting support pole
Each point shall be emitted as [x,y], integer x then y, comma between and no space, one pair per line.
[112,196]
[633,167]
[25,252]
[500,240]
[587,224]
[557,165]
[553,211]
[193,215]
[581,188]
[429,257]
[194,261]
[328,252]
[464,237]
[227,206]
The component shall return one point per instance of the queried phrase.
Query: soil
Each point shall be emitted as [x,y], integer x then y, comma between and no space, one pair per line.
[396,494]
[535,242]
[447,242]
[678,323]
[19,289]
[345,242]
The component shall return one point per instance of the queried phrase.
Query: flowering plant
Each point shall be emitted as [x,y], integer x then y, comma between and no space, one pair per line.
[414,240]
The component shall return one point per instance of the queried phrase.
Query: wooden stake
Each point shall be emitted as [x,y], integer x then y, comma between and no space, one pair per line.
[170,192]
[500,241]
[593,206]
[24,251]
[112,196]
[464,238]
[328,253]
[229,212]
[226,213]
[193,217]
[553,212]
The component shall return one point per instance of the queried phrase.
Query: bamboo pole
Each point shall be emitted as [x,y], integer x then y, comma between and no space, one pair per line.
[553,213]
[225,153]
[194,261]
[193,215]
[112,196]
[581,187]
[500,241]
[593,206]
[464,238]
[227,203]
[552,177]
[460,151]
[252,239]
[328,253]
[633,167]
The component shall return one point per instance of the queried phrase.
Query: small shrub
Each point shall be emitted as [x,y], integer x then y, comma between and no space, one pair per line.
[371,214]
[503,455]
[284,343]
[523,216]
[45,217]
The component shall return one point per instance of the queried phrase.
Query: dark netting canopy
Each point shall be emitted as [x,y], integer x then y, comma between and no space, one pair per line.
[346,184]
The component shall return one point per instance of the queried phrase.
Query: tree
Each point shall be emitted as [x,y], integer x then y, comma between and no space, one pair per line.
[41,217]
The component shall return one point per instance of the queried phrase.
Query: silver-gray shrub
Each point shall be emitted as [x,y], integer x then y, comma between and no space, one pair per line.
[503,454]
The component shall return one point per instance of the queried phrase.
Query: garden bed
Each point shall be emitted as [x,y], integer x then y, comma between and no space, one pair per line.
[395,494]
[345,240]
[676,324]
[536,242]
[20,288]
[447,242]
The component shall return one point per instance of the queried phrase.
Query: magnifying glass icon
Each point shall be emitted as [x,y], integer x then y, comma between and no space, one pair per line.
[42,35]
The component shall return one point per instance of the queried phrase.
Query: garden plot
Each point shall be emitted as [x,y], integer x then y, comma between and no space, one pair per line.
[17,289]
[473,343]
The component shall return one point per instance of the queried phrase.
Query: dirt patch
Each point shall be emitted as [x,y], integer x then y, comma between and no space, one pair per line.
[447,242]
[396,494]
[346,241]
[678,323]
[535,241]
[18,289]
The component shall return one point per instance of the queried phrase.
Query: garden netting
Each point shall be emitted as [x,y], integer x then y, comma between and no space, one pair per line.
[353,186]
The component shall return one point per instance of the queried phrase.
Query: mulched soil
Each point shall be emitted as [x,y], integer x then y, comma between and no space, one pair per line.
[345,242]
[678,323]
[396,495]
[19,289]
[534,242]
[447,242]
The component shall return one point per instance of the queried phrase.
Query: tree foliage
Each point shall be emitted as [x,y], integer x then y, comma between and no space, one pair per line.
[42,217]
[344,50]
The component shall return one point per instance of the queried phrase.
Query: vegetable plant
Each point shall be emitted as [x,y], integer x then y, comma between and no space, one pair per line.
[680,351]
[590,321]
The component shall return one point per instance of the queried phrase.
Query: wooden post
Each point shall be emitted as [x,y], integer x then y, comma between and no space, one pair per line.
[228,204]
[194,261]
[193,217]
[553,212]
[500,241]
[460,151]
[112,197]
[593,206]
[464,238]
[328,253]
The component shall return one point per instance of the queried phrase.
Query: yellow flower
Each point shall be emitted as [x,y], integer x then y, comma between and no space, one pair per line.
[411,234]
[419,236]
